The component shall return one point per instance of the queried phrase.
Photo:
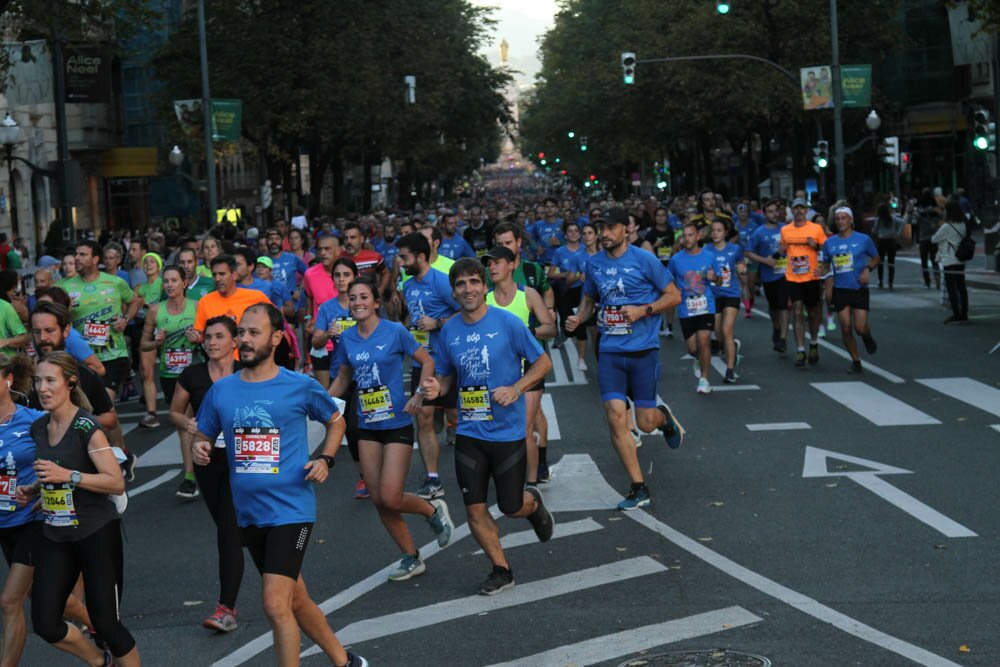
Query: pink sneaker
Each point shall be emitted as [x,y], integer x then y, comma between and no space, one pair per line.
[223,620]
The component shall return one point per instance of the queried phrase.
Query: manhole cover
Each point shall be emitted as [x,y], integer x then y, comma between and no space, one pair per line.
[710,658]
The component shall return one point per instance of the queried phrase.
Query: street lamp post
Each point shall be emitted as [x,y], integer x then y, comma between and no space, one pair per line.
[206,106]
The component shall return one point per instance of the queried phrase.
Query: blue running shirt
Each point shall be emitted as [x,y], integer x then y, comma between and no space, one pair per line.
[724,264]
[264,427]
[690,274]
[567,261]
[848,257]
[17,461]
[430,296]
[765,241]
[482,357]
[637,278]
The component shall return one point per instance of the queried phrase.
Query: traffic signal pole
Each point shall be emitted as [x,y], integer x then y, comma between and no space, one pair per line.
[838,99]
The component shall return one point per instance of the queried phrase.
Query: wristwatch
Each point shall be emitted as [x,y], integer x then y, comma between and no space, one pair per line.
[325,457]
[75,477]
[649,310]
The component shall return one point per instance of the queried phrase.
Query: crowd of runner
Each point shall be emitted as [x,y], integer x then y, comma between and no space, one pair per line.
[331,317]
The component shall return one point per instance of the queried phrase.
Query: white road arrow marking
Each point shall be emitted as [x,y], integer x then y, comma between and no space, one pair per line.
[815,466]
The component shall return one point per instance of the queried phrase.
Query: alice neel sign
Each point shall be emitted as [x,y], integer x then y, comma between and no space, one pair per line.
[87,72]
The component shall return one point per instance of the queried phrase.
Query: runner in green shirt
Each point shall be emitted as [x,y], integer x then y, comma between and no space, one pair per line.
[196,285]
[12,332]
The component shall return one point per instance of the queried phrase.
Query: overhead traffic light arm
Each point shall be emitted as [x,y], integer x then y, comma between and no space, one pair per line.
[726,56]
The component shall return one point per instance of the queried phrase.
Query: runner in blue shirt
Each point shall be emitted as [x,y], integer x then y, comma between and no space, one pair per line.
[730,271]
[371,355]
[453,245]
[481,354]
[746,225]
[566,276]
[765,249]
[632,286]
[693,273]
[852,256]
[548,233]
[287,268]
[429,299]
[261,412]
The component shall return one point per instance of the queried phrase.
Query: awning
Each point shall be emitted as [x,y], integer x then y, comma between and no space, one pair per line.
[129,162]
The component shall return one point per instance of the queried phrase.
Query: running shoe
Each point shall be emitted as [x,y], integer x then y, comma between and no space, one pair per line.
[781,346]
[541,519]
[109,658]
[696,368]
[870,345]
[813,354]
[557,344]
[222,620]
[821,332]
[800,359]
[672,430]
[704,387]
[500,579]
[120,501]
[449,434]
[543,472]
[739,346]
[831,324]
[856,367]
[775,337]
[670,331]
[730,376]
[581,365]
[128,467]
[410,566]
[361,491]
[355,660]
[441,522]
[431,488]
[188,489]
[150,421]
[637,497]
[637,438]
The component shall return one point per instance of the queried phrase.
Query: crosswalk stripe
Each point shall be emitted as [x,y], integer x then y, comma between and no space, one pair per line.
[558,369]
[995,427]
[533,591]
[523,537]
[874,405]
[779,426]
[578,376]
[967,390]
[602,649]
[549,408]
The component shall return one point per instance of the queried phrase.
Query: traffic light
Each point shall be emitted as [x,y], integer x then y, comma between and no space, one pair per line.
[541,156]
[571,134]
[628,67]
[583,144]
[722,6]
[985,132]
[822,154]
[904,162]
[890,150]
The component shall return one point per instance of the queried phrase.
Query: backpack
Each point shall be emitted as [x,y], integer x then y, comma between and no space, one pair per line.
[966,248]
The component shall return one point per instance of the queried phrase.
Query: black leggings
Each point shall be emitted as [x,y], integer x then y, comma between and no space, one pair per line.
[213,480]
[57,567]
[958,295]
[351,417]
[887,252]
[927,252]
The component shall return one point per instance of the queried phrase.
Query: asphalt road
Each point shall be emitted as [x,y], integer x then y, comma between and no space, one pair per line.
[759,539]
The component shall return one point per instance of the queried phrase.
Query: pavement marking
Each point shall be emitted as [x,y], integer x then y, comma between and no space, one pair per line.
[602,649]
[167,452]
[521,538]
[149,486]
[869,367]
[779,426]
[734,387]
[874,405]
[559,369]
[814,465]
[549,408]
[533,591]
[563,374]
[995,427]
[975,393]
[574,358]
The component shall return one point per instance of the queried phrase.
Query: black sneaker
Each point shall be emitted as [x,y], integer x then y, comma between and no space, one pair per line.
[800,359]
[813,354]
[355,660]
[672,430]
[781,346]
[775,337]
[500,579]
[730,376]
[188,490]
[543,472]
[870,345]
[856,367]
[541,519]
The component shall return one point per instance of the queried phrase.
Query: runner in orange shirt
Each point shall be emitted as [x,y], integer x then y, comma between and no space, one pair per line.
[801,241]
[227,300]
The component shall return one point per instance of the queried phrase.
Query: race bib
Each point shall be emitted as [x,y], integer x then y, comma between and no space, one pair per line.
[97,333]
[696,305]
[422,337]
[781,264]
[615,323]
[800,265]
[376,404]
[474,403]
[178,360]
[8,486]
[843,263]
[57,505]
[345,323]
[664,252]
[258,449]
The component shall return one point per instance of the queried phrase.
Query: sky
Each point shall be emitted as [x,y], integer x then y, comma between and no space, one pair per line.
[520,22]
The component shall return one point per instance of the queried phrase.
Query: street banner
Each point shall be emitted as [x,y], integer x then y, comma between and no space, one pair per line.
[817,86]
[227,118]
[87,71]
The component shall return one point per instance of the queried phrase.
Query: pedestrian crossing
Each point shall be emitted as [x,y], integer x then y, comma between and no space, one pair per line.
[873,404]
[564,367]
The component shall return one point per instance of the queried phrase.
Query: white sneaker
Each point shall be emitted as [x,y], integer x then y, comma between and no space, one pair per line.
[120,502]
[637,438]
[581,365]
[704,387]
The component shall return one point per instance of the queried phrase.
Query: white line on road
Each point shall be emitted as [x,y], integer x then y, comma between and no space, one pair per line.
[149,486]
[549,408]
[869,367]
[533,591]
[874,405]
[602,649]
[559,369]
[735,387]
[524,537]
[967,390]
[574,358]
[779,426]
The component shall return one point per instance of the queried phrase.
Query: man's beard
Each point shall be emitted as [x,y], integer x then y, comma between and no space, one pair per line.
[256,358]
